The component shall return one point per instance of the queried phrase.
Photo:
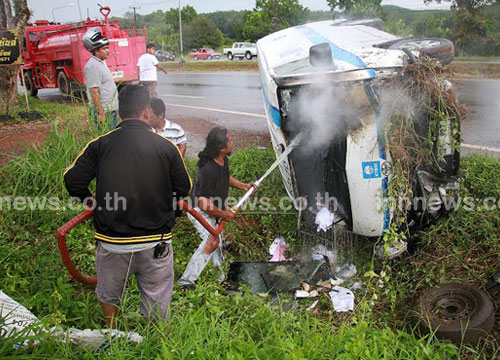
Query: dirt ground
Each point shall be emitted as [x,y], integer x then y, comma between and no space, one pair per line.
[198,128]
[14,138]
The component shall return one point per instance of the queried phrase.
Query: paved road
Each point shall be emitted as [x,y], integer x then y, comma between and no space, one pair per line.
[198,100]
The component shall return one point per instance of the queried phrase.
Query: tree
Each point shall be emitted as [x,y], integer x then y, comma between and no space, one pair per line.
[229,22]
[470,24]
[8,74]
[273,15]
[370,7]
[172,16]
[201,32]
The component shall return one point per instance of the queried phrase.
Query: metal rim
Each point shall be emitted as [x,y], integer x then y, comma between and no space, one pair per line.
[454,306]
[420,44]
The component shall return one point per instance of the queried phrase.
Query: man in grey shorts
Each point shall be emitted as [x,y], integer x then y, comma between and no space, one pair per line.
[139,177]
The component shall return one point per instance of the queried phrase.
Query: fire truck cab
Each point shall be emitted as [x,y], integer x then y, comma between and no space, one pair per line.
[54,56]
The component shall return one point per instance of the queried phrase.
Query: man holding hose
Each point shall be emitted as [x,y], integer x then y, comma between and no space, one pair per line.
[210,194]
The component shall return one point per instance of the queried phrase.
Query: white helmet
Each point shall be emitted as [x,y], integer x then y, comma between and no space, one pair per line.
[93,39]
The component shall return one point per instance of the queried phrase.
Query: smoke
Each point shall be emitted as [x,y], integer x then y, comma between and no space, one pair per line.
[322,112]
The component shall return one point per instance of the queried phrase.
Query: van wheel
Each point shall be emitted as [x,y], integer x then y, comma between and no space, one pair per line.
[63,83]
[439,49]
[458,312]
[230,56]
[29,84]
[248,55]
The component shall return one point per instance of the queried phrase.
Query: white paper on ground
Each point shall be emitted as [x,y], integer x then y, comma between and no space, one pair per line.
[277,250]
[16,318]
[324,219]
[313,305]
[342,299]
[97,339]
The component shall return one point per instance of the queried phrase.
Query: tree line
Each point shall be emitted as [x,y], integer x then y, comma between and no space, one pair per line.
[473,25]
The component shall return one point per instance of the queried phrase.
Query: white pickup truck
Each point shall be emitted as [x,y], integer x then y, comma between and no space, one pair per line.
[241,50]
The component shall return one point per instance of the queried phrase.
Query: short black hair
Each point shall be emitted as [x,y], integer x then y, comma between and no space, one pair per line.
[132,100]
[158,106]
[150,45]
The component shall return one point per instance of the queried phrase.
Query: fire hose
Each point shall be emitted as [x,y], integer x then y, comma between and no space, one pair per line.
[64,230]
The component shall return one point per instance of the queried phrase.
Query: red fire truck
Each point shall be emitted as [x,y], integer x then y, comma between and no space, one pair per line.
[54,56]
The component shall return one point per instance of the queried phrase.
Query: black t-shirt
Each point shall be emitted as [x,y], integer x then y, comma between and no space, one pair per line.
[212,181]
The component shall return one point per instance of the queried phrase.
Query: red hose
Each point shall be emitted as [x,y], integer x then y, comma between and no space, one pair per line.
[63,248]
[77,220]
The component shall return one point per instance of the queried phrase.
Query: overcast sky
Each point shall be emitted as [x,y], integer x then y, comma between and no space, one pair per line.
[68,10]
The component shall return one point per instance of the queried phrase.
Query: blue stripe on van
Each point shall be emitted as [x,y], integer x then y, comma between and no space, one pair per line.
[271,110]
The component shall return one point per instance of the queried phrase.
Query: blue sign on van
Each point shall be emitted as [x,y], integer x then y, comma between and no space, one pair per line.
[371,169]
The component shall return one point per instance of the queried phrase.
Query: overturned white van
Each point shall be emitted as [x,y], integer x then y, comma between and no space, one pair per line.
[325,79]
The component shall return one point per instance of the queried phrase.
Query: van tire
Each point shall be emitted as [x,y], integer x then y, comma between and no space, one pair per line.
[442,50]
[458,312]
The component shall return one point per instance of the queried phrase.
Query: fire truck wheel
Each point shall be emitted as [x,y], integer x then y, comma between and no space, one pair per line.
[30,86]
[63,83]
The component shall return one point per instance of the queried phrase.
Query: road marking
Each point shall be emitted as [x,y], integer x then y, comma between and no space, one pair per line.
[481,148]
[216,73]
[467,146]
[475,79]
[218,110]
[184,96]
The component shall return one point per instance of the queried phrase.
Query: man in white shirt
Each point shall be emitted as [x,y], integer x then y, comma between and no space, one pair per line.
[148,63]
[167,128]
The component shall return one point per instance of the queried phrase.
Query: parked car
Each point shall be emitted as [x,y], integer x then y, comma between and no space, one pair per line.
[241,50]
[163,55]
[205,54]
[354,165]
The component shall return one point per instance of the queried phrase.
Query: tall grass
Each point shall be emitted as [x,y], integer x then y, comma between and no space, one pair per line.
[204,323]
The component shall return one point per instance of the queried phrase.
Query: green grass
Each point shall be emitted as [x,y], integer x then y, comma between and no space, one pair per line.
[204,323]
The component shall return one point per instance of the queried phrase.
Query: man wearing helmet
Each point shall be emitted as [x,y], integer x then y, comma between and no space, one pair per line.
[101,88]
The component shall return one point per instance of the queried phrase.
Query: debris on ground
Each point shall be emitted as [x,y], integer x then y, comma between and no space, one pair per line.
[302,294]
[277,250]
[17,320]
[313,305]
[273,277]
[96,339]
[392,250]
[342,299]
[320,252]
[346,271]
[324,220]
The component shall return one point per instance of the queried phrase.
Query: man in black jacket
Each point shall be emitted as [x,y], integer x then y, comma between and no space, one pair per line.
[139,175]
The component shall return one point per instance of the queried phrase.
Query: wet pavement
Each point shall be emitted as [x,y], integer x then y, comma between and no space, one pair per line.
[201,100]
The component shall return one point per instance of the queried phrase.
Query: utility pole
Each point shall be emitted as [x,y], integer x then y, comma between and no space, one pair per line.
[79,10]
[135,16]
[180,33]
[275,18]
